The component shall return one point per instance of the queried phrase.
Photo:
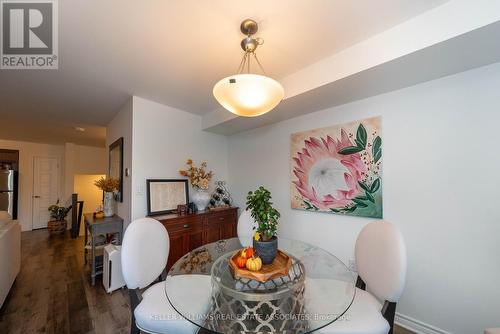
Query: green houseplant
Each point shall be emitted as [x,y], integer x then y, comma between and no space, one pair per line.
[58,223]
[265,241]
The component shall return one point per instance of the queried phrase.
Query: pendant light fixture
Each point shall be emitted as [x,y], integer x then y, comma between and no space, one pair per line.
[247,94]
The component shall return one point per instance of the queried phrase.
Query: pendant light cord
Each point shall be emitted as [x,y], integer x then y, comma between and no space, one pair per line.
[245,62]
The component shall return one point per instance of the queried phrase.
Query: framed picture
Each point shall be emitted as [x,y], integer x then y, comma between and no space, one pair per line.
[165,195]
[338,169]
[116,165]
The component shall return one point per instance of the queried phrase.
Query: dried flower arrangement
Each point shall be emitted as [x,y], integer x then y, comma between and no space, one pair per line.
[198,177]
[107,185]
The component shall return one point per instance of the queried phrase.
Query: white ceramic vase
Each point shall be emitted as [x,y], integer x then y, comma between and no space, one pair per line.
[109,199]
[201,198]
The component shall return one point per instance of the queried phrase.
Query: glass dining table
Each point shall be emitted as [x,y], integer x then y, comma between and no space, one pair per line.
[317,291]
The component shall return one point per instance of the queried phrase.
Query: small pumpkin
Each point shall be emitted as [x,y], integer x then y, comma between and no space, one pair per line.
[247,252]
[241,262]
[254,264]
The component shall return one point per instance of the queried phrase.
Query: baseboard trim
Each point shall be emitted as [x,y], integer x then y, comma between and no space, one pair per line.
[417,326]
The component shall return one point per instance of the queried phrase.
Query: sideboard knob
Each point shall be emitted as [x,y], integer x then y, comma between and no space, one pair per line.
[186,225]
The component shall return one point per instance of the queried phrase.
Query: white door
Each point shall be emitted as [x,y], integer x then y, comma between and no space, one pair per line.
[45,189]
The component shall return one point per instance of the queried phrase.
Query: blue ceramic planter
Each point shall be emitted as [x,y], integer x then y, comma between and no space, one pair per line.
[266,250]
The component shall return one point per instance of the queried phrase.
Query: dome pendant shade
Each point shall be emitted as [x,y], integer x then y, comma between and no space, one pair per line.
[248,95]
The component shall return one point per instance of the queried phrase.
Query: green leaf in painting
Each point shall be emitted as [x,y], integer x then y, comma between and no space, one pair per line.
[364,186]
[370,197]
[350,150]
[377,149]
[375,185]
[335,210]
[361,136]
[359,201]
[351,209]
[360,204]
[359,144]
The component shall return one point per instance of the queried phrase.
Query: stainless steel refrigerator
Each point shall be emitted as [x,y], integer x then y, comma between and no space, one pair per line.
[8,192]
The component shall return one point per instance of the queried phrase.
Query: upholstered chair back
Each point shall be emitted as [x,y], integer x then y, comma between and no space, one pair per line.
[144,254]
[381,260]
[245,228]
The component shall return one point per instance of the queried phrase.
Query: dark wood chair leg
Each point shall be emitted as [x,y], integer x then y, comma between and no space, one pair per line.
[389,313]
[360,284]
[135,299]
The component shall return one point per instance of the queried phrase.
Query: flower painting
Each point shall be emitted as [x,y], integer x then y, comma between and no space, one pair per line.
[338,169]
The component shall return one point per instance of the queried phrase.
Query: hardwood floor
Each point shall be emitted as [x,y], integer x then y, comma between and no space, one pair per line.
[52,293]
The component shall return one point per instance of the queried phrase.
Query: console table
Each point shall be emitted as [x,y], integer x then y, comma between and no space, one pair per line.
[191,231]
[96,227]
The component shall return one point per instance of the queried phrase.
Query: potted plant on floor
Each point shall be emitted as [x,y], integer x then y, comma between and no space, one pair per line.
[57,223]
[108,186]
[265,241]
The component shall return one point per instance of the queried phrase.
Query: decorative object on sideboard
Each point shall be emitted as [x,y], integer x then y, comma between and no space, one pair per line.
[265,241]
[182,209]
[164,195]
[58,223]
[191,207]
[248,94]
[200,181]
[338,169]
[109,186]
[220,195]
[201,198]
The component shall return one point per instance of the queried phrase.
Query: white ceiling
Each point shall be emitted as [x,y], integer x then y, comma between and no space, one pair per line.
[173,52]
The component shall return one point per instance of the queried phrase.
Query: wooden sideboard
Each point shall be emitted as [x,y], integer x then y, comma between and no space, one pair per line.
[191,231]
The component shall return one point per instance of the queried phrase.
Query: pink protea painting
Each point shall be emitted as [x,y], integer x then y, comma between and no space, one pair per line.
[339,169]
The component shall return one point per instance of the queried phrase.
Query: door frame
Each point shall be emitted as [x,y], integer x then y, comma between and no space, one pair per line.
[58,186]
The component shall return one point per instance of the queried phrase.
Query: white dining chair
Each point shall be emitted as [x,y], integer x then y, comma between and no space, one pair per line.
[245,228]
[144,255]
[380,254]
[492,331]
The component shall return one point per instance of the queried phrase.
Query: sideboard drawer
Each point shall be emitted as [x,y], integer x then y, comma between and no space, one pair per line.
[221,217]
[184,226]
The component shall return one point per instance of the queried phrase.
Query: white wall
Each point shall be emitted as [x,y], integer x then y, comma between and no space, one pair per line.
[73,159]
[79,159]
[441,163]
[121,126]
[163,139]
[82,160]
[91,196]
[27,151]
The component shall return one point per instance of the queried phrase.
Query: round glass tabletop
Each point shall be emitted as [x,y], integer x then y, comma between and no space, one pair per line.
[317,291]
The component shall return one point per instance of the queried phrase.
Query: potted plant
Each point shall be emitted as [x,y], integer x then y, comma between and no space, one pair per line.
[57,223]
[265,241]
[108,186]
[200,181]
